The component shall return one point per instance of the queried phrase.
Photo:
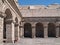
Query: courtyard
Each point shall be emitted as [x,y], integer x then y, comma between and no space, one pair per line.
[36,41]
[29,25]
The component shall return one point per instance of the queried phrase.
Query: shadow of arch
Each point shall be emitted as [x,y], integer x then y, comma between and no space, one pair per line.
[27,30]
[51,30]
[39,30]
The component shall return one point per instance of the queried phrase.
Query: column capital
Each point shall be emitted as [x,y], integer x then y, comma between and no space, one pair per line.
[33,25]
[45,24]
[57,24]
[17,24]
[8,20]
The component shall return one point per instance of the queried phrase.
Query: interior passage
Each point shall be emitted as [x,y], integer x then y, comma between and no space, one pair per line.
[27,30]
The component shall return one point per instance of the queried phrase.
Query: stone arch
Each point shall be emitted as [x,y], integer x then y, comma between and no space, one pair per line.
[7,20]
[8,14]
[51,30]
[27,30]
[39,30]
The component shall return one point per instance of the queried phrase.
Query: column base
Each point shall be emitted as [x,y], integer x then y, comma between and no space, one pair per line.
[10,41]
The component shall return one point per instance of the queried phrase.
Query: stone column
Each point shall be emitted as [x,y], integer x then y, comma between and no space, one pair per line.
[2,15]
[57,29]
[33,31]
[22,30]
[16,32]
[1,30]
[45,30]
[19,29]
[9,31]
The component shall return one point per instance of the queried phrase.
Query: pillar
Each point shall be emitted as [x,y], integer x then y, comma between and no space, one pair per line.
[16,32]
[57,29]
[2,16]
[33,31]
[1,30]
[45,30]
[22,30]
[9,31]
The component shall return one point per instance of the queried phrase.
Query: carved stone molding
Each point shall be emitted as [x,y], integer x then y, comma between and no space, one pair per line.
[2,14]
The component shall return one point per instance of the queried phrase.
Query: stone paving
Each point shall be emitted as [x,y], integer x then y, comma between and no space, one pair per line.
[37,41]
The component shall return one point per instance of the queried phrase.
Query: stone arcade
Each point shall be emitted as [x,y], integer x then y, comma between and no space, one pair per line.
[10,19]
[37,21]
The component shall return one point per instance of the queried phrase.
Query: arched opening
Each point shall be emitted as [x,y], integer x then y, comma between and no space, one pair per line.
[51,30]
[8,16]
[27,30]
[39,30]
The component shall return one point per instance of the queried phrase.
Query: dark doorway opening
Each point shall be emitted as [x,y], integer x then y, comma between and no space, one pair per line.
[51,30]
[27,30]
[4,30]
[39,30]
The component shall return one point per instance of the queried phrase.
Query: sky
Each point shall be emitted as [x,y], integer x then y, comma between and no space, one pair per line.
[38,2]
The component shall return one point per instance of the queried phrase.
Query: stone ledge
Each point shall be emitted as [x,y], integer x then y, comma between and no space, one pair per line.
[2,14]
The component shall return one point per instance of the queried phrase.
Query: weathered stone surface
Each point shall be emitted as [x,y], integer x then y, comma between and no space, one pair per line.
[29,14]
[1,30]
[8,11]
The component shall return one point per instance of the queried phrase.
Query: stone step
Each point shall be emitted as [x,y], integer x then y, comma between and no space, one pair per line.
[39,41]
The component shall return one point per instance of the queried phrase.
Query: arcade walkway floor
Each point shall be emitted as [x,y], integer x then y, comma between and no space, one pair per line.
[37,41]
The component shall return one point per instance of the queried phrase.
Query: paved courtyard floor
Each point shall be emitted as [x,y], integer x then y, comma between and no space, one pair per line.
[37,41]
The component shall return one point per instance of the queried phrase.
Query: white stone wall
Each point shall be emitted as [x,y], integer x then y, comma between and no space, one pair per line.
[9,27]
[52,10]
[1,30]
